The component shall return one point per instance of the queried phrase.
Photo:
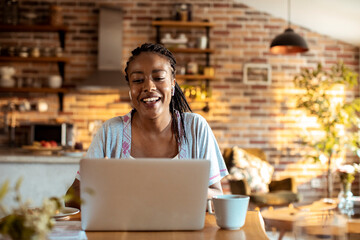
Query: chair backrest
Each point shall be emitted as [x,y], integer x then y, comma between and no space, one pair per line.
[256,152]
[241,186]
[285,188]
[228,155]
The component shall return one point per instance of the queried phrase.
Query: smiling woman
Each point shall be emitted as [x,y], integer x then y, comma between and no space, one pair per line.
[161,124]
[151,83]
[163,65]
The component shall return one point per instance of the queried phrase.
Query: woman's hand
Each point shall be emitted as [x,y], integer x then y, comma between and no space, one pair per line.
[214,190]
[74,191]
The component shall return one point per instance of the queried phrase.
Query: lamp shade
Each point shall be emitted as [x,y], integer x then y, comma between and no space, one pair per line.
[288,42]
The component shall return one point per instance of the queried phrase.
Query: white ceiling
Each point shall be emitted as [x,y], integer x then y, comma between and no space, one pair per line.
[339,19]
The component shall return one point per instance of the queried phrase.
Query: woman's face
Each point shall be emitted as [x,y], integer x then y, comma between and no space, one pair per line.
[150,81]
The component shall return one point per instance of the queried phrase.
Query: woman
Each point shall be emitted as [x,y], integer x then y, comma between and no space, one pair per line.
[160,125]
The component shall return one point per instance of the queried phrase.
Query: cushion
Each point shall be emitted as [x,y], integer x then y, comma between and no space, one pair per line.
[258,173]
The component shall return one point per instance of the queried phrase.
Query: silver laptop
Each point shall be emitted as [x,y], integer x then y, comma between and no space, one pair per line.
[143,194]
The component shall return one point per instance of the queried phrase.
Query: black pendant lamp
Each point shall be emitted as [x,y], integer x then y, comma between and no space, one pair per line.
[289,41]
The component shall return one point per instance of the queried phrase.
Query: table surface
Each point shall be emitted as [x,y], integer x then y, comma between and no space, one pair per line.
[253,229]
[283,218]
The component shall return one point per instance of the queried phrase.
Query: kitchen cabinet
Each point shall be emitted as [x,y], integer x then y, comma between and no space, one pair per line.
[61,61]
[178,25]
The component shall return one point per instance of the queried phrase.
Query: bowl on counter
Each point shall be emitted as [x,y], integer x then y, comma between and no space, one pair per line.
[73,153]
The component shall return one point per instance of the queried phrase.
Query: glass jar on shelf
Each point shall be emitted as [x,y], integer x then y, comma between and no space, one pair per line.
[46,52]
[35,52]
[202,42]
[29,18]
[192,68]
[28,82]
[58,52]
[183,12]
[11,51]
[23,52]
[180,70]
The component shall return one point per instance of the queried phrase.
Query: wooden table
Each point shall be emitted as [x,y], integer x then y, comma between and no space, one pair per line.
[283,218]
[253,229]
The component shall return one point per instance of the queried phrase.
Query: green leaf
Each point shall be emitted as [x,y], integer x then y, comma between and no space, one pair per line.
[4,189]
[18,183]
[316,99]
[57,202]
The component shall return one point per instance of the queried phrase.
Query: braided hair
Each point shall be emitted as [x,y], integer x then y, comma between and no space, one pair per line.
[178,101]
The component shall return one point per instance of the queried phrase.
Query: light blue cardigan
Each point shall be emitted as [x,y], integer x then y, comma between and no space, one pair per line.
[113,140]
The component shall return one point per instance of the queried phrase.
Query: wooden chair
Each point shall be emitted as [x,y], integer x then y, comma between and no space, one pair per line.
[281,192]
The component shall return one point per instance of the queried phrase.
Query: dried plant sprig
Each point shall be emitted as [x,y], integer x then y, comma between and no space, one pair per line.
[24,222]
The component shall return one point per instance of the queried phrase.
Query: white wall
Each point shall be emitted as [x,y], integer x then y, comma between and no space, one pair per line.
[40,180]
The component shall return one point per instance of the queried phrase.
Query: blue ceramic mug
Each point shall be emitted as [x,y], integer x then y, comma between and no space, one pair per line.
[229,210]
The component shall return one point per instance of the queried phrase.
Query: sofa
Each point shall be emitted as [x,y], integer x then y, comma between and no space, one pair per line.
[280,192]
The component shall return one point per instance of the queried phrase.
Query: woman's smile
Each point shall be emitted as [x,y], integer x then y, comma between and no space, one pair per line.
[150,102]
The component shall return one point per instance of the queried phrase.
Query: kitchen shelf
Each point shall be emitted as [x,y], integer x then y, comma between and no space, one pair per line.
[33,90]
[61,61]
[184,24]
[61,30]
[159,24]
[34,59]
[59,91]
[196,77]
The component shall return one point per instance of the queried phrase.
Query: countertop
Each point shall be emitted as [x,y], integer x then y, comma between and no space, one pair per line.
[18,155]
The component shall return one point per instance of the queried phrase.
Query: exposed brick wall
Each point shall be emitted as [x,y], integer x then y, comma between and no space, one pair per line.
[242,115]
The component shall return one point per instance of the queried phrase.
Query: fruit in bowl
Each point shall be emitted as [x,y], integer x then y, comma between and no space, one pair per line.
[45,144]
[43,147]
[48,144]
[53,143]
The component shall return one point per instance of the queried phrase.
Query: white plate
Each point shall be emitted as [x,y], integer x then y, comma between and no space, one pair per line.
[74,154]
[328,200]
[66,211]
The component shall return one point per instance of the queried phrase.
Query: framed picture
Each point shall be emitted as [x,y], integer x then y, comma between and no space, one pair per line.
[257,73]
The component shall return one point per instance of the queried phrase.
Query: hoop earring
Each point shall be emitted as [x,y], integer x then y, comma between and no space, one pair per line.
[130,95]
[173,91]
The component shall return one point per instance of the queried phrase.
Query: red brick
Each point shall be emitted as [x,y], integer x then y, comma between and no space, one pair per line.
[234,25]
[332,48]
[221,5]
[247,39]
[257,142]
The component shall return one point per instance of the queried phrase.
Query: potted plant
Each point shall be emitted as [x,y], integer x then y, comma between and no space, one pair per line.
[337,119]
[25,222]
